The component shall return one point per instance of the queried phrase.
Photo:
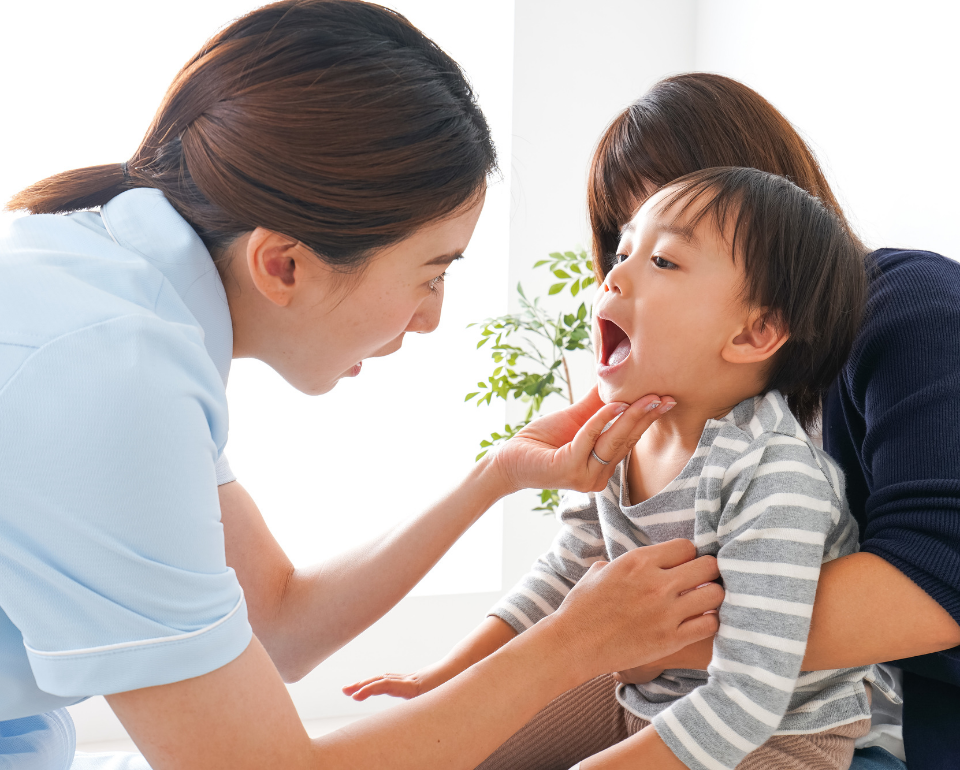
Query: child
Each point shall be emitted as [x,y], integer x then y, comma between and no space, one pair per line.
[740,294]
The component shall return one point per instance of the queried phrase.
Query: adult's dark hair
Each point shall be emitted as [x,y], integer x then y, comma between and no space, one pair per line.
[800,264]
[684,124]
[335,122]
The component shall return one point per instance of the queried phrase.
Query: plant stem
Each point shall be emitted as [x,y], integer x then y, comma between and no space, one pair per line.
[566,370]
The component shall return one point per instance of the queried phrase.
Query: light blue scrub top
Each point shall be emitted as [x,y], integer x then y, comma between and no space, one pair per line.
[115,345]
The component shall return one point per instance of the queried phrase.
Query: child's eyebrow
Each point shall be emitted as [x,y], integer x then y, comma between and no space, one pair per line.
[686,232]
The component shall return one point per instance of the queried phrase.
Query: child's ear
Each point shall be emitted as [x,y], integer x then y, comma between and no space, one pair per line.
[762,335]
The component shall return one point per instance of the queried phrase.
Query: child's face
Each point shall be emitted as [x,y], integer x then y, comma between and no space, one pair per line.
[667,308]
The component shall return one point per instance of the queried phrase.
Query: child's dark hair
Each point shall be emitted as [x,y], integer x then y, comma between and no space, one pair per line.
[799,261]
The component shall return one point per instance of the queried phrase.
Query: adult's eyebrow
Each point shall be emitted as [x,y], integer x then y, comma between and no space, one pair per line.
[443,259]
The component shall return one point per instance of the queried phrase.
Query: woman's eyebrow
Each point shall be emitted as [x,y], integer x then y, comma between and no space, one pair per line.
[444,259]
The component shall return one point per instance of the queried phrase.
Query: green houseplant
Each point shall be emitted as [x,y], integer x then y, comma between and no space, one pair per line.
[529,350]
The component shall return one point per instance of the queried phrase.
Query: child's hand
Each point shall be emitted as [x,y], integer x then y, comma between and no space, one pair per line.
[404,686]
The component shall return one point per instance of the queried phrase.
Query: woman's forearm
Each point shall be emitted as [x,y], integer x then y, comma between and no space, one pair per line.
[868,611]
[321,608]
[241,716]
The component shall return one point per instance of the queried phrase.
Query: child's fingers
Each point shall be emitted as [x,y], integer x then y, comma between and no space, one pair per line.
[350,689]
[395,685]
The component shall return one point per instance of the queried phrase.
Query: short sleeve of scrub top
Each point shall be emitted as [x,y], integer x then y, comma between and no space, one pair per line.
[112,560]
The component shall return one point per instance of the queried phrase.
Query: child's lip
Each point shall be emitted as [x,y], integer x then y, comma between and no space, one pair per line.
[612,336]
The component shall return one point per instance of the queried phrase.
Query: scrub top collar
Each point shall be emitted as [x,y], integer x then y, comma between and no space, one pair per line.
[143,221]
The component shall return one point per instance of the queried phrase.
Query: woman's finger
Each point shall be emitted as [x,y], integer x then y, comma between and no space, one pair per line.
[614,444]
[587,437]
[700,600]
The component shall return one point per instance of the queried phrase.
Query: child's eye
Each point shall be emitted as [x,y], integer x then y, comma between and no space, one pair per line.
[618,258]
[663,264]
[434,282]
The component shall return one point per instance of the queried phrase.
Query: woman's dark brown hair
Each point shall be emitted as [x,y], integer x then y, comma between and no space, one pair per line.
[335,122]
[684,124]
[800,263]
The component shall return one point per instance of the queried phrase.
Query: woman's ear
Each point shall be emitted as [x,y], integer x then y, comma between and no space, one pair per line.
[272,261]
[762,335]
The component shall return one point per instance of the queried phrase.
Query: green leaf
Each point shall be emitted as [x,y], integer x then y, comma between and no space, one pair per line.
[575,289]
[555,255]
[569,318]
[497,371]
[520,291]
[486,443]
[541,262]
[589,280]
[483,342]
[570,255]
[481,384]
[561,274]
[477,458]
[555,289]
[575,268]
[582,311]
[471,395]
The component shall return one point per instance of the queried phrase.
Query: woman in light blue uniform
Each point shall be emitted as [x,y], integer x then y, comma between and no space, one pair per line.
[309,176]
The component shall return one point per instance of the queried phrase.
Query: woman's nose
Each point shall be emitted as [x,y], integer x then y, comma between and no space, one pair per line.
[427,317]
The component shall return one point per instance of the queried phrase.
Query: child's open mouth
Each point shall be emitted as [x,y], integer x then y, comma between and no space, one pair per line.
[615,343]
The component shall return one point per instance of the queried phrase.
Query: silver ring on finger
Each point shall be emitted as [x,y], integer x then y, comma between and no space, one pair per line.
[597,458]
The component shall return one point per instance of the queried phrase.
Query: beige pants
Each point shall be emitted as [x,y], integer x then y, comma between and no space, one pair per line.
[589,719]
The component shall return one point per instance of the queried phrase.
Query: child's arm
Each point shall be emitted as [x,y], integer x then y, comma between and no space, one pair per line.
[577,545]
[484,640]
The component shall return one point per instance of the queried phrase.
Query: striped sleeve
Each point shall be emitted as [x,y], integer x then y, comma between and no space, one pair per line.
[578,544]
[777,515]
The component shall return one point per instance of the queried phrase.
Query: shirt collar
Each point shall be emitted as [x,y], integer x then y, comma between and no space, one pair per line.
[143,221]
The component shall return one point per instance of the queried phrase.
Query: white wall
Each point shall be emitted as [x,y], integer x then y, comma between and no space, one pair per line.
[873,84]
[576,64]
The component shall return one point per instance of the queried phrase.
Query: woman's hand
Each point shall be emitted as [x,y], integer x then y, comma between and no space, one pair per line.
[554,451]
[641,607]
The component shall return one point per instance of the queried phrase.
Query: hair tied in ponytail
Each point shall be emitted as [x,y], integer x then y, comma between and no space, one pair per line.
[123,168]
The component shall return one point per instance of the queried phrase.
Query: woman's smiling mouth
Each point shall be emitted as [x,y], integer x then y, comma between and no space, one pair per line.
[614,346]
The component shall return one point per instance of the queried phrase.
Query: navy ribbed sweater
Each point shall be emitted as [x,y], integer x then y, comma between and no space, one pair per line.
[892,421]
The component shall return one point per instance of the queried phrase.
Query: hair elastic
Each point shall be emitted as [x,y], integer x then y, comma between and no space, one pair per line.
[123,168]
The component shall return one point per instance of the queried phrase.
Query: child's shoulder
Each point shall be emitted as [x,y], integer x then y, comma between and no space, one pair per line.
[768,431]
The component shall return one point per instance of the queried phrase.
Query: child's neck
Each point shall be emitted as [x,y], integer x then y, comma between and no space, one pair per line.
[666,447]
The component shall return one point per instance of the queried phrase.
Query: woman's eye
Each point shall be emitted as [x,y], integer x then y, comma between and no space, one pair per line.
[663,264]
[618,258]
[435,282]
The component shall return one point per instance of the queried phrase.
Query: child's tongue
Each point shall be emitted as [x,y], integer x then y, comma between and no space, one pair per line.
[619,353]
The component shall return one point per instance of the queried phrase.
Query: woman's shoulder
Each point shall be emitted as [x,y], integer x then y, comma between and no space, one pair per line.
[911,274]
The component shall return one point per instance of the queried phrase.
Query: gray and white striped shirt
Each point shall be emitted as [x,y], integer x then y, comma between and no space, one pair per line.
[770,505]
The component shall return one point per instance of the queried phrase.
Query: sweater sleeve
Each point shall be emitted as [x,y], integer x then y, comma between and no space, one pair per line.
[772,534]
[893,422]
[578,544]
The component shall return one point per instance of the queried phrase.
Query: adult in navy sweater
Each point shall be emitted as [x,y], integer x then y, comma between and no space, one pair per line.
[892,419]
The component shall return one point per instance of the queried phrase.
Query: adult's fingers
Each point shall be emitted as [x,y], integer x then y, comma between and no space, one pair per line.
[614,444]
[671,554]
[700,600]
[699,627]
[695,573]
